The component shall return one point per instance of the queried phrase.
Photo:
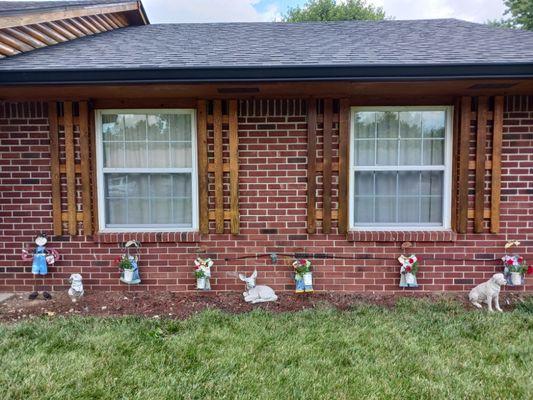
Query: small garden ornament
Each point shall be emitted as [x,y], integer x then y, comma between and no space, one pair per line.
[42,257]
[488,292]
[254,293]
[76,287]
[514,266]
[303,276]
[128,263]
[202,272]
[408,271]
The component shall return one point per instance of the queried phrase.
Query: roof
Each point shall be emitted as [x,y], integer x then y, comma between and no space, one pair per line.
[265,51]
[18,7]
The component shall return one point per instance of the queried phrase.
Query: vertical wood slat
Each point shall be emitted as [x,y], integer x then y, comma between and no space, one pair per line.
[344,160]
[464,132]
[218,153]
[481,147]
[234,166]
[92,144]
[85,168]
[496,164]
[456,134]
[326,174]
[311,165]
[54,168]
[203,166]
[70,168]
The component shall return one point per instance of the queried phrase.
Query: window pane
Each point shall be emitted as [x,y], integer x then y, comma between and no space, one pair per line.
[180,154]
[410,152]
[181,185]
[386,183]
[433,152]
[432,183]
[116,211]
[363,210]
[180,127]
[182,211]
[113,127]
[365,125]
[408,183]
[161,185]
[161,211]
[386,209]
[364,184]
[116,185]
[158,127]
[364,152]
[387,152]
[408,209]
[113,154]
[410,124]
[158,155]
[431,211]
[135,126]
[387,124]
[135,154]
[138,211]
[433,124]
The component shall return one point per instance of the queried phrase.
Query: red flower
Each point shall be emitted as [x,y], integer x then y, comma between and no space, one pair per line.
[520,259]
[408,269]
[117,259]
[509,262]
[529,270]
[411,261]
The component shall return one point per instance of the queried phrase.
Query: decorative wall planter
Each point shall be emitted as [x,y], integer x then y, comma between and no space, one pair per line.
[514,266]
[201,283]
[303,277]
[128,263]
[408,270]
[202,272]
[516,278]
[128,275]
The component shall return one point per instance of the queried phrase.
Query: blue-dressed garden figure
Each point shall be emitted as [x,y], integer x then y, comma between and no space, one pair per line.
[41,257]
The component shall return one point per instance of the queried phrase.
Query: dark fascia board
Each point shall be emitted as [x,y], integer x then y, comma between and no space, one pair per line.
[268,74]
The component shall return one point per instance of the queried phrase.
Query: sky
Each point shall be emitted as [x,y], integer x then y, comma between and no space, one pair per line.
[160,11]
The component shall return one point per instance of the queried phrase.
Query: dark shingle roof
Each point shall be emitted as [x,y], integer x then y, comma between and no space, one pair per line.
[17,7]
[283,45]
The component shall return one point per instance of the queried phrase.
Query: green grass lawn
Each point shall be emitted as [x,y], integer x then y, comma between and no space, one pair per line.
[419,350]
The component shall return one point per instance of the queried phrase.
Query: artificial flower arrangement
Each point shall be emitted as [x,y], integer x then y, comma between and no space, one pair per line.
[408,270]
[515,266]
[202,272]
[303,276]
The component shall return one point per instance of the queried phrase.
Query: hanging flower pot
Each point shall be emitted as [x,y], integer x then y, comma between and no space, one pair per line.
[516,278]
[128,263]
[202,272]
[303,276]
[308,281]
[410,279]
[128,275]
[514,267]
[200,283]
[408,271]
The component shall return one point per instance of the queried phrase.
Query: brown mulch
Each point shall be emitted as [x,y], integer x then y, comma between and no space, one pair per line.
[179,305]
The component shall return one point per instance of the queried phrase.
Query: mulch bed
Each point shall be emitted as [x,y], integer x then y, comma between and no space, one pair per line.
[180,306]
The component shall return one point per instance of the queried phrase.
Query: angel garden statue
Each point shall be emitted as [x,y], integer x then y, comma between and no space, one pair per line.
[42,257]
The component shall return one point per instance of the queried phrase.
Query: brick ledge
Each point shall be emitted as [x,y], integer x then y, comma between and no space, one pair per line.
[401,236]
[148,237]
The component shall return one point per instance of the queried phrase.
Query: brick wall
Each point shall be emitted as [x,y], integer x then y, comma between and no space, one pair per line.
[272,148]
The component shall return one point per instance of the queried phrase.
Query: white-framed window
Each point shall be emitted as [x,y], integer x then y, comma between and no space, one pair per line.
[400,168]
[147,170]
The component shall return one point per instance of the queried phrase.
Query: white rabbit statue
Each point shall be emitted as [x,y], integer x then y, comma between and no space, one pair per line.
[256,294]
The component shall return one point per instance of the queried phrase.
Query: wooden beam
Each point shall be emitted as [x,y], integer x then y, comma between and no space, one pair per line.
[50,32]
[472,165]
[472,212]
[218,159]
[109,21]
[496,184]
[71,173]
[96,23]
[201,115]
[14,42]
[455,149]
[103,22]
[89,24]
[344,167]
[117,21]
[327,173]
[54,169]
[211,167]
[481,147]
[464,137]
[85,166]
[67,29]
[81,27]
[8,50]
[234,166]
[37,17]
[94,186]
[311,165]
[38,35]
[24,37]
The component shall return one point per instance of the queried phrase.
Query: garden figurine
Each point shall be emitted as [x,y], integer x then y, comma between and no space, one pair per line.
[408,271]
[41,257]
[202,272]
[488,292]
[256,293]
[76,287]
[303,276]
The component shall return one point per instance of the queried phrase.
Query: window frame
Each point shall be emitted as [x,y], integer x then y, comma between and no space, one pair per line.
[100,180]
[447,178]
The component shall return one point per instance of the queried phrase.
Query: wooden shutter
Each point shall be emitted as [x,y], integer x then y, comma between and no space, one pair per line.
[478,116]
[70,167]
[213,165]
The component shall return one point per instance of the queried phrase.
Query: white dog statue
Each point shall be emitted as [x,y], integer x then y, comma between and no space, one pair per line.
[76,287]
[257,294]
[488,292]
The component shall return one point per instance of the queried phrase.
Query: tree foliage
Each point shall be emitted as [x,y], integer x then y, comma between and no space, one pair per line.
[331,10]
[520,14]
